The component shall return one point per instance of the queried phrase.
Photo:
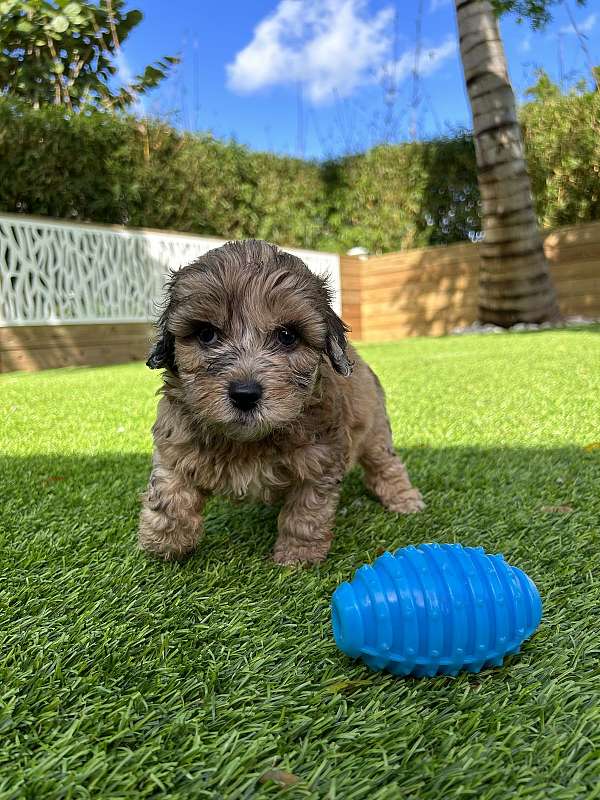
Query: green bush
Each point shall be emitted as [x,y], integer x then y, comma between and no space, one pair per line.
[562,140]
[81,167]
[398,196]
[119,169]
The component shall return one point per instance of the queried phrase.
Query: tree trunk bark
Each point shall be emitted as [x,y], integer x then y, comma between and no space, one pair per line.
[514,283]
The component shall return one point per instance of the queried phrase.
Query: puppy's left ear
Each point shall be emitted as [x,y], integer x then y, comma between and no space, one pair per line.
[337,344]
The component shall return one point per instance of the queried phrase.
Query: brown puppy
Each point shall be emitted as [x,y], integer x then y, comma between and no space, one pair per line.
[262,397]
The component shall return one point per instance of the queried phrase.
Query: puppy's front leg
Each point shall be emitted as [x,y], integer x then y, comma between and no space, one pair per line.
[306,523]
[171,516]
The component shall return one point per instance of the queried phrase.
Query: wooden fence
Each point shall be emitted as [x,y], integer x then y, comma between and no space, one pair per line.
[74,294]
[430,291]
[424,292]
[34,347]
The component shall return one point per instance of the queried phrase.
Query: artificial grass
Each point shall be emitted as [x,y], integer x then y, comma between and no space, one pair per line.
[122,677]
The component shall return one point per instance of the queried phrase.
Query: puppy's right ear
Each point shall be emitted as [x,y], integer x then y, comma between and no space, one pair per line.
[162,355]
[337,344]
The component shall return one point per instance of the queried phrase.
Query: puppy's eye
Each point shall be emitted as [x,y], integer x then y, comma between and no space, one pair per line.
[206,333]
[287,336]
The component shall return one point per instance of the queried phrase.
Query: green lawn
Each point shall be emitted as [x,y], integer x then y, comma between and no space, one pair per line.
[122,677]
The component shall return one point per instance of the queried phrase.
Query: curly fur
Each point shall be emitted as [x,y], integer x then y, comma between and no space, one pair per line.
[321,411]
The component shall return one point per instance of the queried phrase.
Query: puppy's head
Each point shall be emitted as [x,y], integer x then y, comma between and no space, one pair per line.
[245,329]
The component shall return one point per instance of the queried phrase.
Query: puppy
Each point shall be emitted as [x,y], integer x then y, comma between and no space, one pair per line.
[264,398]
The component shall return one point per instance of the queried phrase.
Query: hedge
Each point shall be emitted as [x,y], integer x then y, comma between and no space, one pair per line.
[119,169]
[562,138]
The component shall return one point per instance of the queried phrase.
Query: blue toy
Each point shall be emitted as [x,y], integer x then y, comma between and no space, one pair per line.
[435,609]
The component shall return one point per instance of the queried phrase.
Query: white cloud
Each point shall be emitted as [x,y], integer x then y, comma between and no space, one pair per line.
[434,57]
[329,46]
[430,59]
[436,4]
[525,44]
[126,78]
[586,26]
[123,69]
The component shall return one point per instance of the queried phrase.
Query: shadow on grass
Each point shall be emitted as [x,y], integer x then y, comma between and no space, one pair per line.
[508,499]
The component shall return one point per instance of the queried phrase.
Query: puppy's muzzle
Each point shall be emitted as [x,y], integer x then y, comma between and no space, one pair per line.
[245,395]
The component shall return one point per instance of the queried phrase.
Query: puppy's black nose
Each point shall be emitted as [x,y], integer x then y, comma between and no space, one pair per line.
[245,394]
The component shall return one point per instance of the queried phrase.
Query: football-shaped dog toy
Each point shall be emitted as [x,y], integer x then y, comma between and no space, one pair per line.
[435,609]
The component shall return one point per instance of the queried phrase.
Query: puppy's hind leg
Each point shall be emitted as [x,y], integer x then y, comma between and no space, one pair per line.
[385,475]
[171,516]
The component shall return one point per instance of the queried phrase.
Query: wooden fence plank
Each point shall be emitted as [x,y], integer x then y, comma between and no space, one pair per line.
[432,290]
[351,276]
[40,336]
[31,359]
[37,347]
[579,235]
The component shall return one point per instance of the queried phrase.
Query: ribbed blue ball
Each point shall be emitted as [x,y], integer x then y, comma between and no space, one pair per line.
[435,609]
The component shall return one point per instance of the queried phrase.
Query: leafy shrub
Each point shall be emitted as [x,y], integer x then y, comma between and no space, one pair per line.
[119,169]
[562,141]
[398,196]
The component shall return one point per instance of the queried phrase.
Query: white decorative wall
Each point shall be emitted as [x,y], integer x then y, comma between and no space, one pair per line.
[54,272]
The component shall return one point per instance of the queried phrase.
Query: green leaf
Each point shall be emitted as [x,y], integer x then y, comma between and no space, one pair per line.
[133,17]
[7,6]
[127,23]
[72,10]
[59,24]
[24,26]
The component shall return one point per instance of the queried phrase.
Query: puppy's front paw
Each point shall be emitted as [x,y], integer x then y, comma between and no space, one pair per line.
[289,552]
[160,538]
[408,502]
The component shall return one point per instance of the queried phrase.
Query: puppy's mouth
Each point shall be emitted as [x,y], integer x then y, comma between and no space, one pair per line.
[247,426]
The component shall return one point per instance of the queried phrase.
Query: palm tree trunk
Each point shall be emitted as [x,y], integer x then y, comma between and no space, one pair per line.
[514,284]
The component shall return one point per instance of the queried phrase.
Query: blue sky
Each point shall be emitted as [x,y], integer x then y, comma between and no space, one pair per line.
[322,77]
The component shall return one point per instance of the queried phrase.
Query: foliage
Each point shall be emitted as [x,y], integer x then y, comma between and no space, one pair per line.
[398,196]
[538,12]
[66,52]
[544,88]
[119,169]
[562,141]
[147,174]
[124,677]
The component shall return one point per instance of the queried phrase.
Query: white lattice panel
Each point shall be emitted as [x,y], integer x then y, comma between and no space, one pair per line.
[57,272]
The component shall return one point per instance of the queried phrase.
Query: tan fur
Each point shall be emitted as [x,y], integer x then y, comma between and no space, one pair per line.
[313,422]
